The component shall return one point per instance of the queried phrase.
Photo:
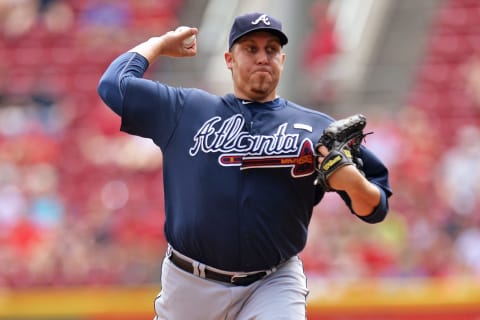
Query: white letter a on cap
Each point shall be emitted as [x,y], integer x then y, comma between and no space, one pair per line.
[263,18]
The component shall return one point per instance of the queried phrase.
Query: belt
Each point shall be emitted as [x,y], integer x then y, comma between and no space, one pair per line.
[240,279]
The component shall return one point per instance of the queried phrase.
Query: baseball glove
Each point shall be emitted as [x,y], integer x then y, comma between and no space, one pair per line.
[343,139]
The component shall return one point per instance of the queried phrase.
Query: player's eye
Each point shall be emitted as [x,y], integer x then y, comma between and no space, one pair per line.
[271,50]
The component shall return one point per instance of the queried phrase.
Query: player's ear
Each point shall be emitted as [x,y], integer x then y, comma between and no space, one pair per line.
[283,58]
[228,59]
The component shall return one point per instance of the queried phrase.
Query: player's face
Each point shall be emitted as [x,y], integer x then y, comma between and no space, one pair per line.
[256,62]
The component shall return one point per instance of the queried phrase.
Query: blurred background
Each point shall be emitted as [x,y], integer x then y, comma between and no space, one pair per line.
[81,204]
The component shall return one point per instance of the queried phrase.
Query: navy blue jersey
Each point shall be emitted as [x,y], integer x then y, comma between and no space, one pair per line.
[238,175]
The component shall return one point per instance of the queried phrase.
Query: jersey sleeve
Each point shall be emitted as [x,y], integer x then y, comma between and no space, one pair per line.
[148,108]
[112,85]
[377,173]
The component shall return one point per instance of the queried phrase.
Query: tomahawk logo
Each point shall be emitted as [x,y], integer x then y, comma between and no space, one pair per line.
[301,163]
[263,18]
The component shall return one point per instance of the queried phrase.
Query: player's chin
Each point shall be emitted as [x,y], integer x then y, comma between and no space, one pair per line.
[263,85]
[262,89]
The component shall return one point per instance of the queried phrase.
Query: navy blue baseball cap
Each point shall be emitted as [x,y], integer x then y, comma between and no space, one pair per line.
[251,22]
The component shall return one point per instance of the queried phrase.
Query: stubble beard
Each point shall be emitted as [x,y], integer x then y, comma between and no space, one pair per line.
[261,85]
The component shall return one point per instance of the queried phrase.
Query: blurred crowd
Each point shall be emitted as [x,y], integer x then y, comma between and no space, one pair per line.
[433,228]
[82,203]
[431,146]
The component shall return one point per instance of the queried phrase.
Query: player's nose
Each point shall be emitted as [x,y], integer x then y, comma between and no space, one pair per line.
[262,57]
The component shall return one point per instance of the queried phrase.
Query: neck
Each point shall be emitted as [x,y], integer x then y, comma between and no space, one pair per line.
[256,99]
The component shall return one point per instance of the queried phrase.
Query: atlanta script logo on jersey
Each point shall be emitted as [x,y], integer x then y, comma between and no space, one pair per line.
[240,148]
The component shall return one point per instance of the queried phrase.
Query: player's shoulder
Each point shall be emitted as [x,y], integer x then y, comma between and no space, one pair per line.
[308,111]
[198,96]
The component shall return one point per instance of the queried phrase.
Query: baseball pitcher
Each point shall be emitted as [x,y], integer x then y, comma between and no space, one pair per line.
[242,173]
